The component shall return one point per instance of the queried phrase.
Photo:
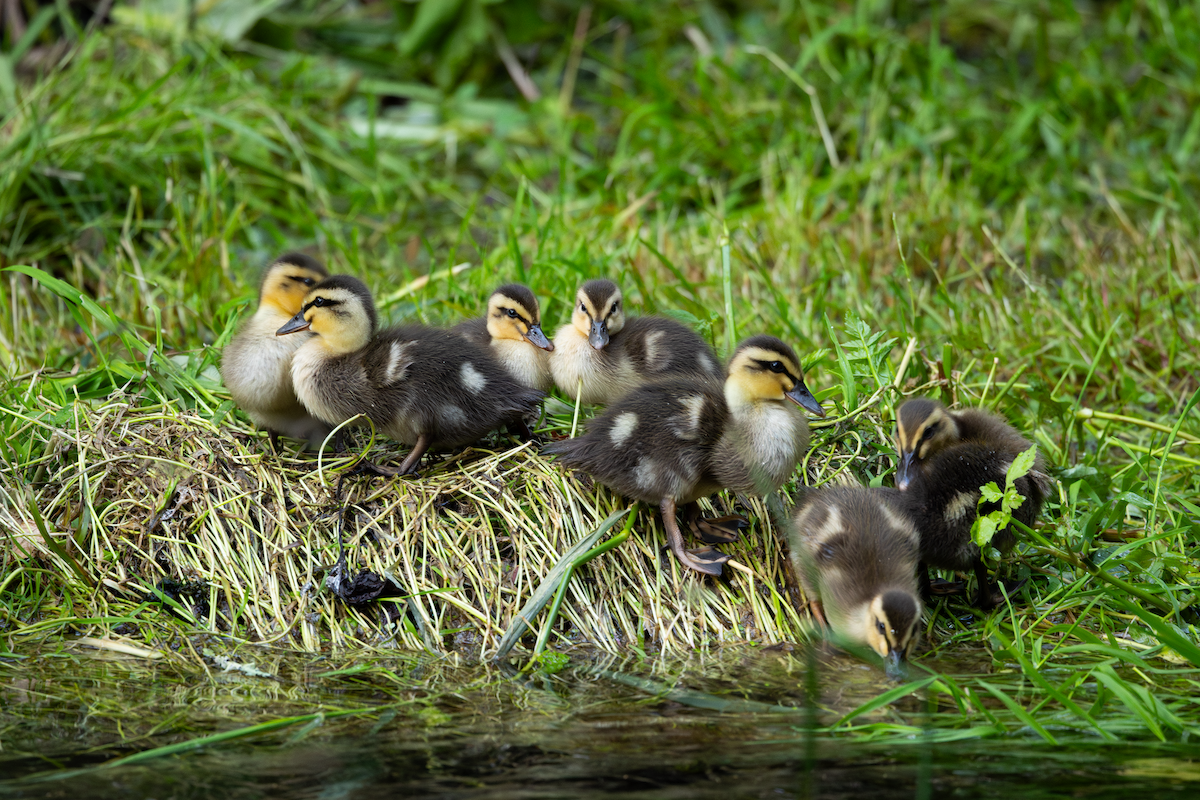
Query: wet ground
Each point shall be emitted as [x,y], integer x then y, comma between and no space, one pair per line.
[745,723]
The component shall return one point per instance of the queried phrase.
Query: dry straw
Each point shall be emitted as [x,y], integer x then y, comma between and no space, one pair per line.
[135,497]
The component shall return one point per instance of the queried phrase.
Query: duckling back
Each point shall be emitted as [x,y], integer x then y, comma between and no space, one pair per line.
[415,380]
[636,351]
[943,498]
[657,441]
[855,547]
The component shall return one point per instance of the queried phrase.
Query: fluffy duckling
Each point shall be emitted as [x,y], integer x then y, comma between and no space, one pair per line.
[420,386]
[945,457]
[513,330]
[256,366]
[673,442]
[856,555]
[611,354]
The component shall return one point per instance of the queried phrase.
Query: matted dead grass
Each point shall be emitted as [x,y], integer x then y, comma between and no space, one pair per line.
[142,498]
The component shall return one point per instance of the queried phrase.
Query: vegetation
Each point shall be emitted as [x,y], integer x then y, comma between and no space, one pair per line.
[993,202]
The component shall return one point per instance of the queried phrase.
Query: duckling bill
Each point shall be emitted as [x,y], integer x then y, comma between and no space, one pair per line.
[421,386]
[673,442]
[855,553]
[256,366]
[944,458]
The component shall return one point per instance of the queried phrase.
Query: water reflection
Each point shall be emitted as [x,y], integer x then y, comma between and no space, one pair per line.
[696,729]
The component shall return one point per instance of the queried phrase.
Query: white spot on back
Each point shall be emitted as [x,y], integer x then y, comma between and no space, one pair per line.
[706,363]
[452,415]
[472,378]
[652,349]
[646,474]
[623,427]
[960,505]
[898,521]
[396,363]
[694,406]
[832,526]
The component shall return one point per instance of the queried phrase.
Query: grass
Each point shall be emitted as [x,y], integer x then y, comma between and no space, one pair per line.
[999,208]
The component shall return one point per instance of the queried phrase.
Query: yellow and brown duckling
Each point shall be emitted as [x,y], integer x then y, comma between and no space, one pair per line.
[610,354]
[512,328]
[855,553]
[945,457]
[256,365]
[675,441]
[421,386]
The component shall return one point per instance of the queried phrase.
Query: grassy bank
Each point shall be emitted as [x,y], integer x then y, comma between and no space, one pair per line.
[993,203]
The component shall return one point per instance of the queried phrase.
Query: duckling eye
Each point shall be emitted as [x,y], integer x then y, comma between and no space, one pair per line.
[775,366]
[307,281]
[930,431]
[880,627]
[320,301]
[582,307]
[512,312]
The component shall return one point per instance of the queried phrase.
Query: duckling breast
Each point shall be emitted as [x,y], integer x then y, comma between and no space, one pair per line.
[529,365]
[605,374]
[760,450]
[256,367]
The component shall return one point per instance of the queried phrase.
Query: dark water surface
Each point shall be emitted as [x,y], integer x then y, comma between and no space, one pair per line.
[734,724]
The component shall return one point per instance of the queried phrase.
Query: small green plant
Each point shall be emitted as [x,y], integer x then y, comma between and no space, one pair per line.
[987,525]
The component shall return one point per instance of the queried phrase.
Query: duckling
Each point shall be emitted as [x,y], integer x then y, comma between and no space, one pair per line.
[945,457]
[513,330]
[611,354]
[673,442]
[256,366]
[855,554]
[421,386]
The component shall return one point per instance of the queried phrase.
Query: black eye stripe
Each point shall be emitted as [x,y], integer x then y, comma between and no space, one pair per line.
[769,366]
[323,302]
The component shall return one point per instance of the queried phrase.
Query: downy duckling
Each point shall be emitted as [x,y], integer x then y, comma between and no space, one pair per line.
[673,442]
[256,366]
[855,554]
[945,457]
[611,355]
[513,330]
[421,386]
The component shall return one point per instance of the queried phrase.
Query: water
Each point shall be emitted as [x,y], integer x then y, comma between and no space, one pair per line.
[433,729]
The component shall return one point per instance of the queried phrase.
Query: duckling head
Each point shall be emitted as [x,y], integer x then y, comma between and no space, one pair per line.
[890,627]
[599,311]
[287,279]
[764,368]
[340,311]
[513,314]
[924,427]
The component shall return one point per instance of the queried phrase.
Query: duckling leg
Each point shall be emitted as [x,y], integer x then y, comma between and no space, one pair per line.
[714,530]
[705,560]
[990,596]
[936,587]
[409,465]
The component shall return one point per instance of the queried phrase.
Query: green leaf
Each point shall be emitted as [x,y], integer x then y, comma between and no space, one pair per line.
[1021,465]
[991,492]
[984,529]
